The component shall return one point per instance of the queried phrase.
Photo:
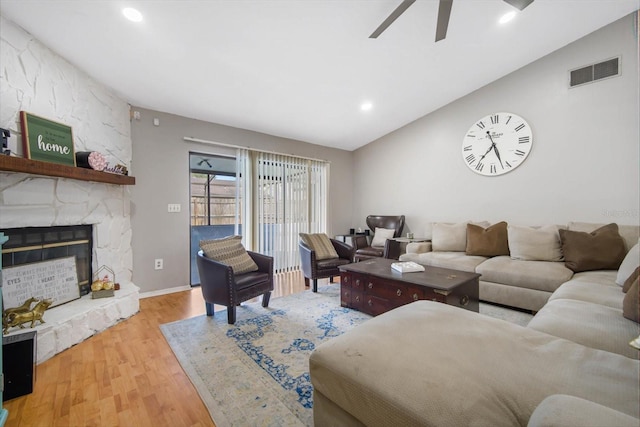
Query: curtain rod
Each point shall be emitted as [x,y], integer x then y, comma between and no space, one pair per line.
[205,141]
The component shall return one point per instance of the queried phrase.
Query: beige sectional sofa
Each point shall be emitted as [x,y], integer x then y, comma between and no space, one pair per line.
[430,364]
[522,283]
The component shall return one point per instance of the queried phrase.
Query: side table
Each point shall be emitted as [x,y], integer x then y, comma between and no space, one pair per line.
[397,246]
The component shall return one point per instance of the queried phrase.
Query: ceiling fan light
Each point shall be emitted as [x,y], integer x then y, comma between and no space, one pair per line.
[507,17]
[132,14]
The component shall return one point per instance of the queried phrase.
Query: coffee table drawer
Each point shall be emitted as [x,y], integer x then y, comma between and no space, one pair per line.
[374,305]
[397,293]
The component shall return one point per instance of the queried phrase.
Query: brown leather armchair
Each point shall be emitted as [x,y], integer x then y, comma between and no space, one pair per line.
[361,244]
[221,286]
[318,269]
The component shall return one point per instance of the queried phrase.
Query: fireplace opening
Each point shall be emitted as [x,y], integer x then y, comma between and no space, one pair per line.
[35,244]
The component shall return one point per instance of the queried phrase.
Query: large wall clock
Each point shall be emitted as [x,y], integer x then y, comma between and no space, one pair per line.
[497,144]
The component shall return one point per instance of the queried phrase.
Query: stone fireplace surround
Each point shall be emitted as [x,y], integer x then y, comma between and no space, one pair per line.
[35,79]
[30,200]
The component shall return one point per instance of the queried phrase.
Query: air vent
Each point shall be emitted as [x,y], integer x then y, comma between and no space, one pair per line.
[594,72]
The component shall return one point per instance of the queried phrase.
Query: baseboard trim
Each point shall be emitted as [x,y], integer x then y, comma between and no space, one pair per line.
[164,291]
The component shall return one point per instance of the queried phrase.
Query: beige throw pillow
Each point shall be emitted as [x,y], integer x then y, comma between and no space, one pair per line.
[629,264]
[535,244]
[320,244]
[490,241]
[448,237]
[381,235]
[602,249]
[229,251]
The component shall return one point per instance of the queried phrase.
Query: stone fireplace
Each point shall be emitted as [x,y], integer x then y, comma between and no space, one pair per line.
[37,80]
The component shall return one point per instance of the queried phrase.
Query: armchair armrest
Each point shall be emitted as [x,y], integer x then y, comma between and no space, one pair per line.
[344,250]
[360,241]
[264,262]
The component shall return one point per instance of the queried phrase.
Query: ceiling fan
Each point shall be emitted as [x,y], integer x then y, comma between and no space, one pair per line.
[444,11]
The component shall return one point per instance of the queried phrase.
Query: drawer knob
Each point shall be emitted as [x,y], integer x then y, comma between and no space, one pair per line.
[415,297]
[370,285]
[399,292]
[357,282]
[370,303]
[464,300]
[357,298]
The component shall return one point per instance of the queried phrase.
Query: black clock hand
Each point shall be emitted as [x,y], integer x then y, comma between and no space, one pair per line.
[485,154]
[495,148]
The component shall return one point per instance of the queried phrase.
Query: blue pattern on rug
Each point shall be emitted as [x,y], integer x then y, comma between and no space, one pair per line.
[246,332]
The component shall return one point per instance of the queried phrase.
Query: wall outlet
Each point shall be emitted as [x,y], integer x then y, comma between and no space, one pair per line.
[159,264]
[173,207]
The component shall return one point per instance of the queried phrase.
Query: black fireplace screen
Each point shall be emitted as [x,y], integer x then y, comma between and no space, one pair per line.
[34,244]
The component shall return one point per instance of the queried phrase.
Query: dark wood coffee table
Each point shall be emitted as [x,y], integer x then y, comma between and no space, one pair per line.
[371,286]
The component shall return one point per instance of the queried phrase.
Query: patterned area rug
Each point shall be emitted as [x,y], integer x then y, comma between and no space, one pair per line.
[256,371]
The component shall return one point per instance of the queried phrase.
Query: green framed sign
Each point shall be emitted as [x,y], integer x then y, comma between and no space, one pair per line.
[46,140]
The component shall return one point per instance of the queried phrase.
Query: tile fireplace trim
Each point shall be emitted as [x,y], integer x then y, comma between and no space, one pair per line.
[71,323]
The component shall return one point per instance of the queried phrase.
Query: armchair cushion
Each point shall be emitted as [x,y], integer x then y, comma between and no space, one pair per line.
[320,244]
[229,251]
[381,235]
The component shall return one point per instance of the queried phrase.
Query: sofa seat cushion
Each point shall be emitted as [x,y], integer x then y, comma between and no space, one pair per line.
[563,410]
[596,293]
[600,277]
[454,260]
[592,325]
[541,275]
[428,363]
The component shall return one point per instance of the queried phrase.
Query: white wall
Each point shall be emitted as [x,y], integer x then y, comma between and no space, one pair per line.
[161,167]
[37,80]
[583,165]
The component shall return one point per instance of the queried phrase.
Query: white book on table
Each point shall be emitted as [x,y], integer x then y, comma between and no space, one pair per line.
[407,267]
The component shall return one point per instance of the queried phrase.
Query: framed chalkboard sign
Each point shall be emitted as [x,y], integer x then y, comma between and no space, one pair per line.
[47,140]
[56,279]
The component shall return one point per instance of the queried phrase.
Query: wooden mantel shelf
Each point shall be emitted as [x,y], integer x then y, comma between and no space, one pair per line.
[36,167]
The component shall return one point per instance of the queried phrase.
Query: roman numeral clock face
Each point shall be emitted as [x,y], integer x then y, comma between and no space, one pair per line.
[497,144]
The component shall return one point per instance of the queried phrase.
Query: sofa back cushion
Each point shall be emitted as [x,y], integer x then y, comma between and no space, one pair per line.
[449,237]
[489,242]
[535,244]
[229,251]
[602,249]
[320,244]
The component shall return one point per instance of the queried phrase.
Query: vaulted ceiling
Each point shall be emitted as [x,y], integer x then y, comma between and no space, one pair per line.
[301,69]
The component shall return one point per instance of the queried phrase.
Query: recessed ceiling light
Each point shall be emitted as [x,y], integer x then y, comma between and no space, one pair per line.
[507,17]
[366,106]
[132,14]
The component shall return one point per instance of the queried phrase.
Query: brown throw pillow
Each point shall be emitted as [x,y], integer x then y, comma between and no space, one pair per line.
[631,302]
[633,278]
[490,241]
[229,251]
[602,249]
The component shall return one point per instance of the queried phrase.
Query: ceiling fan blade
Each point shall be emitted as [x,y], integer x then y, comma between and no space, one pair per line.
[394,15]
[519,4]
[444,11]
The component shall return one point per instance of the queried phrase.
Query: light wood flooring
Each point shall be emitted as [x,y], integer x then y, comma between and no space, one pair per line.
[126,375]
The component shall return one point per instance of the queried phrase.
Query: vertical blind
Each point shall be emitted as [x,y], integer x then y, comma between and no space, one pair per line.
[288,196]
